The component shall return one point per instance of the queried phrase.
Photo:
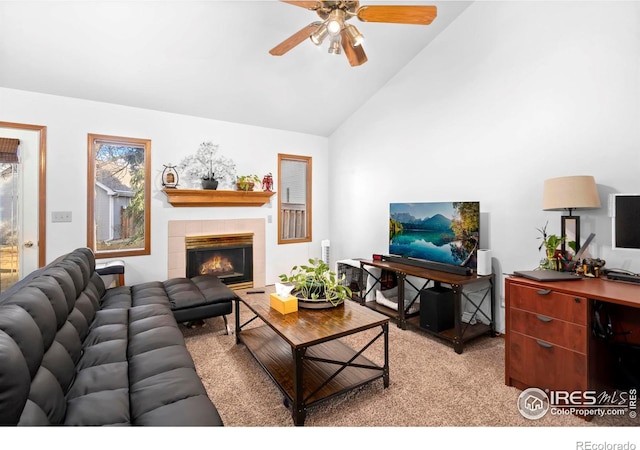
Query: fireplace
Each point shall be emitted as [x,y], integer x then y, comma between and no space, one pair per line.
[228,256]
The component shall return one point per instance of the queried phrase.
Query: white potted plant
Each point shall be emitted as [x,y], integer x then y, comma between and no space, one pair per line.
[207,168]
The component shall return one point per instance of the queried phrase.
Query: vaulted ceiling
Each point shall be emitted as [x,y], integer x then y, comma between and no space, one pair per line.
[203,58]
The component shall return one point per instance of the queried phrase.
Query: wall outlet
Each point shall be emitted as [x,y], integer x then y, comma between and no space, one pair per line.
[61,216]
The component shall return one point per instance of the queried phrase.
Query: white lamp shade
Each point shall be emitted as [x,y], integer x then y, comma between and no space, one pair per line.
[575,192]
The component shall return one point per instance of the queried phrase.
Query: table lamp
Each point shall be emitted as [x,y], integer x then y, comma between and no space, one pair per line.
[570,193]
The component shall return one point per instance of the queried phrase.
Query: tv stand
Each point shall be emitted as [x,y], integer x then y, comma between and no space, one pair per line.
[449,268]
[461,331]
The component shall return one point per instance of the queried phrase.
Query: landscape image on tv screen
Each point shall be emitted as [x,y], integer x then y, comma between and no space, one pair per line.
[444,232]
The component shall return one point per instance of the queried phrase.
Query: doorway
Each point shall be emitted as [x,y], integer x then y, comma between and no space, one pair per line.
[22,204]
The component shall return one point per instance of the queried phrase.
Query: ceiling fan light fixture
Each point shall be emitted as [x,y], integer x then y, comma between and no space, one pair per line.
[335,47]
[355,36]
[318,36]
[334,15]
[334,27]
[335,22]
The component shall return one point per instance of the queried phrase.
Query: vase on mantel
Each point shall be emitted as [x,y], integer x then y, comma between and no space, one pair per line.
[209,182]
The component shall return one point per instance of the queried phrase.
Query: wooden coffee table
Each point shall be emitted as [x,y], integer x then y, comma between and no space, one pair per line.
[302,351]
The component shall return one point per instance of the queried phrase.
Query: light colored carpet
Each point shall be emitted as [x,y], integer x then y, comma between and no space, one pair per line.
[430,386]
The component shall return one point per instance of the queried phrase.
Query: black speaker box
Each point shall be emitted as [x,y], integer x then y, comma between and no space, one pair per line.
[436,309]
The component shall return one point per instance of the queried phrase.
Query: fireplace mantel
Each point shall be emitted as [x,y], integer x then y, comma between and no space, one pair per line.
[208,197]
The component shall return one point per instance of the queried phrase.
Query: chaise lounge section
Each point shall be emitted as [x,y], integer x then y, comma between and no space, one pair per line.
[75,353]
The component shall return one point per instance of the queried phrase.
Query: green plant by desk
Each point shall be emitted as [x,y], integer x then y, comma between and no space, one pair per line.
[550,242]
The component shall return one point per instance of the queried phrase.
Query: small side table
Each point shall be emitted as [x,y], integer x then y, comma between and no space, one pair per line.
[115,268]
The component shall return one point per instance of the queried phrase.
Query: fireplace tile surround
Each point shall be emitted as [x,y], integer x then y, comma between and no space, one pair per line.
[179,229]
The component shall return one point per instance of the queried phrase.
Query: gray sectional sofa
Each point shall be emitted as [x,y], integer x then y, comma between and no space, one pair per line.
[75,353]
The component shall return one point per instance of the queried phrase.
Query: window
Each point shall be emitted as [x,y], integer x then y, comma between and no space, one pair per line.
[118,200]
[294,199]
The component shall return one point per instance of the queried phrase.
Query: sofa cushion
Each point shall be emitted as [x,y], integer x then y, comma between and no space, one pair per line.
[165,388]
[116,298]
[13,371]
[100,393]
[47,394]
[151,293]
[190,411]
[20,327]
[201,290]
[104,407]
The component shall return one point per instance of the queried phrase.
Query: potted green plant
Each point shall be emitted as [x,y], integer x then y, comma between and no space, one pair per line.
[316,286]
[247,182]
[550,242]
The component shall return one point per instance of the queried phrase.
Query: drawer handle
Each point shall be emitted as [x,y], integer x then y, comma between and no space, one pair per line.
[544,344]
[544,291]
[544,318]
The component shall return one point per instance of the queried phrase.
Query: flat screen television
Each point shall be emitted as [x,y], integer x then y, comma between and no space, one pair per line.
[441,232]
[625,214]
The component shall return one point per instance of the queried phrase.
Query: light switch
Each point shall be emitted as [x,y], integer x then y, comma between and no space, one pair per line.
[61,216]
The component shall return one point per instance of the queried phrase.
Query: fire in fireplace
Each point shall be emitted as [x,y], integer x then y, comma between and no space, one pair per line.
[217,265]
[229,257]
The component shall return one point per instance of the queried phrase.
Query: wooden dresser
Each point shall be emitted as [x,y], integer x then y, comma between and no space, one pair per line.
[549,343]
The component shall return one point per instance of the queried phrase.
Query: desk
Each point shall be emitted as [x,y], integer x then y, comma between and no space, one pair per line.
[549,339]
[461,332]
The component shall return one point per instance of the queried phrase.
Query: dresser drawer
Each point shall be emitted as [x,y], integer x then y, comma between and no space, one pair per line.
[537,363]
[555,331]
[549,303]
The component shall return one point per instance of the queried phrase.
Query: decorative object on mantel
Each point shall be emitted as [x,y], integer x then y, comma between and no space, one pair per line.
[267,182]
[247,182]
[169,176]
[209,181]
[209,197]
[207,169]
[316,286]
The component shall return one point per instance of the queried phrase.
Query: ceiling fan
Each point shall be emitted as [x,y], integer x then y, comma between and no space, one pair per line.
[334,26]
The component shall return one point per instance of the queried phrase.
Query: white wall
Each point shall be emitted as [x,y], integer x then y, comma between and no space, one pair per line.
[508,95]
[253,149]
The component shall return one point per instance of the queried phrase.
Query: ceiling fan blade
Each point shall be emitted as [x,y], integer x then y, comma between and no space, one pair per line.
[355,54]
[417,15]
[293,40]
[304,4]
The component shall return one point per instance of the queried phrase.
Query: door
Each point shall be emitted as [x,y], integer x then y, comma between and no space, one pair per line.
[22,204]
